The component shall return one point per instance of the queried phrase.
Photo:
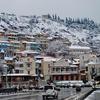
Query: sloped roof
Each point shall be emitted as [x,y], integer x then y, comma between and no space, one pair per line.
[8,58]
[78,47]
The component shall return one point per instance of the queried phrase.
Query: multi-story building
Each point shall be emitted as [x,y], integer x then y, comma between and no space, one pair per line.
[21,70]
[76,51]
[58,38]
[86,58]
[25,45]
[64,70]
[11,36]
[2,35]
[16,45]
[38,67]
[46,66]
[42,40]
[93,69]
[60,69]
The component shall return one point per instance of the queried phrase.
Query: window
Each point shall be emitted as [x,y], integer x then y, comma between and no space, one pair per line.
[67,68]
[86,68]
[21,65]
[71,68]
[28,64]
[16,71]
[48,87]
[28,72]
[58,69]
[21,71]
[53,69]
[36,70]
[62,69]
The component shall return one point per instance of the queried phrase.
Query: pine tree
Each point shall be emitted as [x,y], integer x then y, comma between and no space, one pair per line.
[58,18]
[49,16]
[55,17]
[66,20]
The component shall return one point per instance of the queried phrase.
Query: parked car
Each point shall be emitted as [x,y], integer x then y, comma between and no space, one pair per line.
[88,84]
[50,92]
[71,83]
[78,88]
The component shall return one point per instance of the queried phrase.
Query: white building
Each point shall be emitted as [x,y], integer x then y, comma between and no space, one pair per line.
[93,68]
[86,58]
[64,70]
[78,50]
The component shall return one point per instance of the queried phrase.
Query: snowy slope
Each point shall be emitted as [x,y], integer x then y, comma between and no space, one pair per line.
[40,24]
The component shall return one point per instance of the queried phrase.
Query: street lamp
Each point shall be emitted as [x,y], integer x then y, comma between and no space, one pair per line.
[6,67]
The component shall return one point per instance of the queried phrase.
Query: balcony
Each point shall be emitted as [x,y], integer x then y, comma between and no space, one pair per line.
[64,70]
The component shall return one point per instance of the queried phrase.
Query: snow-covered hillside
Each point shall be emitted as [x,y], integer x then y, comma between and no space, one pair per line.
[40,24]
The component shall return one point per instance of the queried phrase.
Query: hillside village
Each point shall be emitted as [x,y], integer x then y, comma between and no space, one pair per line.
[27,58]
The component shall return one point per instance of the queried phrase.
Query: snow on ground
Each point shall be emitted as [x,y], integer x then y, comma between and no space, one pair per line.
[39,24]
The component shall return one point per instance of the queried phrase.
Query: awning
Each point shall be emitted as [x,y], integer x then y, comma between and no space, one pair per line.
[17,75]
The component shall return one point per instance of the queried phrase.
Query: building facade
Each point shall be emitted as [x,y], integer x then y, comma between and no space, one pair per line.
[64,70]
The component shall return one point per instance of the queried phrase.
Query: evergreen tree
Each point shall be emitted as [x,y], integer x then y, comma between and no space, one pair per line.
[49,16]
[78,21]
[66,21]
[58,18]
[55,17]
[70,21]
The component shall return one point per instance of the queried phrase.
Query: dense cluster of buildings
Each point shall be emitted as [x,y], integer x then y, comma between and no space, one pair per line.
[23,60]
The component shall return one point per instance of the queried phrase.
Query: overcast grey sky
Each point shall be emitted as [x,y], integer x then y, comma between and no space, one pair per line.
[63,8]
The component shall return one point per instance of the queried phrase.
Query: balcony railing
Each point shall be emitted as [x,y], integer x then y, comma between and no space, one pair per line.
[63,72]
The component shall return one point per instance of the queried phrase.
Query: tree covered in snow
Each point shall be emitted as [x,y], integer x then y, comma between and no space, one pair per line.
[57,47]
[84,23]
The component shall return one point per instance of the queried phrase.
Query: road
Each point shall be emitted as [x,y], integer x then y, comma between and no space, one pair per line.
[94,95]
[63,93]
